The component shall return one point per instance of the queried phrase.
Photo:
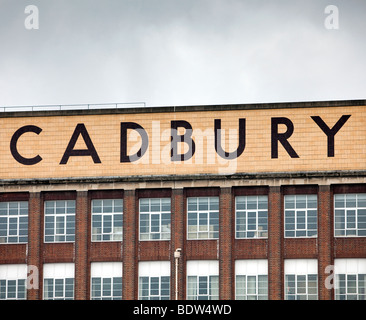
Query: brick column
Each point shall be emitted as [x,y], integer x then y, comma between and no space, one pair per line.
[130,263]
[325,256]
[81,246]
[225,245]
[35,240]
[275,265]
[177,241]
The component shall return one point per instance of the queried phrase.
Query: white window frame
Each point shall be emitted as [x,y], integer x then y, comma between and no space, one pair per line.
[116,233]
[150,270]
[353,231]
[203,269]
[301,268]
[295,216]
[354,267]
[5,214]
[106,271]
[207,228]
[164,230]
[253,268]
[65,215]
[62,272]
[257,232]
[13,273]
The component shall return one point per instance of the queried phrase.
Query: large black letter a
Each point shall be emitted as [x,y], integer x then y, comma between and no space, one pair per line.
[90,151]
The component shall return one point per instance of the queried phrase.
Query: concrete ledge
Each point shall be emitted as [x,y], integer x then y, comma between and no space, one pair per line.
[198,177]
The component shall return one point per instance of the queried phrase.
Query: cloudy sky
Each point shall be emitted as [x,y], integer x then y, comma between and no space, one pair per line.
[181,52]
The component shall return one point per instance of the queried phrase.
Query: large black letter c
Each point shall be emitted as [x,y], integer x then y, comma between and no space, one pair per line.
[14,141]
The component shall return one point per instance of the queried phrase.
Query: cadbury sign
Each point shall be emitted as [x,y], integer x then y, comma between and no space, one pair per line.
[223,142]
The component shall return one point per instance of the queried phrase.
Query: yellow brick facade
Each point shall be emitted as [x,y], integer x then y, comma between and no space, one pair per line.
[308,140]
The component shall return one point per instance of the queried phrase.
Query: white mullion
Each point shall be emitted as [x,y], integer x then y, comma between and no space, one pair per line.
[306,222]
[307,286]
[149,233]
[102,288]
[296,285]
[246,218]
[7,224]
[198,221]
[17,223]
[256,217]
[295,213]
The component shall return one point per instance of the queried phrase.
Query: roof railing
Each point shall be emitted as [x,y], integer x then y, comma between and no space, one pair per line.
[74,107]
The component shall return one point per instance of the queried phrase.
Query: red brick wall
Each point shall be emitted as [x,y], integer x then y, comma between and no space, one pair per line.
[275,235]
[35,242]
[226,249]
[82,236]
[130,263]
[325,236]
[225,245]
[178,241]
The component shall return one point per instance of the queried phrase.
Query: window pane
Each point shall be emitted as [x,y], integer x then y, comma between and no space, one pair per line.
[155,219]
[202,286]
[107,287]
[96,287]
[251,285]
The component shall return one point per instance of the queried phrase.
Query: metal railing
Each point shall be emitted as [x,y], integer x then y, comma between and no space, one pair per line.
[74,107]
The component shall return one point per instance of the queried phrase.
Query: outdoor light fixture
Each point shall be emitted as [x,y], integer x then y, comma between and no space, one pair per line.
[176,256]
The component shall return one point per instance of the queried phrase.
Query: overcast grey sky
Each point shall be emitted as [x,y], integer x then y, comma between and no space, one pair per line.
[181,52]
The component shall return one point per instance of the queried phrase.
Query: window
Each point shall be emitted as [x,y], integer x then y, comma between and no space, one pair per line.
[203,280]
[251,278]
[154,280]
[350,279]
[59,289]
[107,288]
[203,287]
[14,222]
[106,281]
[350,215]
[301,279]
[60,221]
[107,220]
[203,218]
[155,215]
[251,216]
[301,216]
[154,288]
[58,283]
[13,282]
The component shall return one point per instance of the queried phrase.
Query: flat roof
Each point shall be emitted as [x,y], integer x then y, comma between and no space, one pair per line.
[136,108]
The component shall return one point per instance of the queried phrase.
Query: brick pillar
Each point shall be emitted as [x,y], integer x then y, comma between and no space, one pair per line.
[325,256]
[35,240]
[81,246]
[130,263]
[178,241]
[275,265]
[225,245]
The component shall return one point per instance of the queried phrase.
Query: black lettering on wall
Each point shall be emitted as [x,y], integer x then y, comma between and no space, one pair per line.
[144,145]
[282,137]
[14,141]
[71,152]
[219,150]
[186,137]
[330,133]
